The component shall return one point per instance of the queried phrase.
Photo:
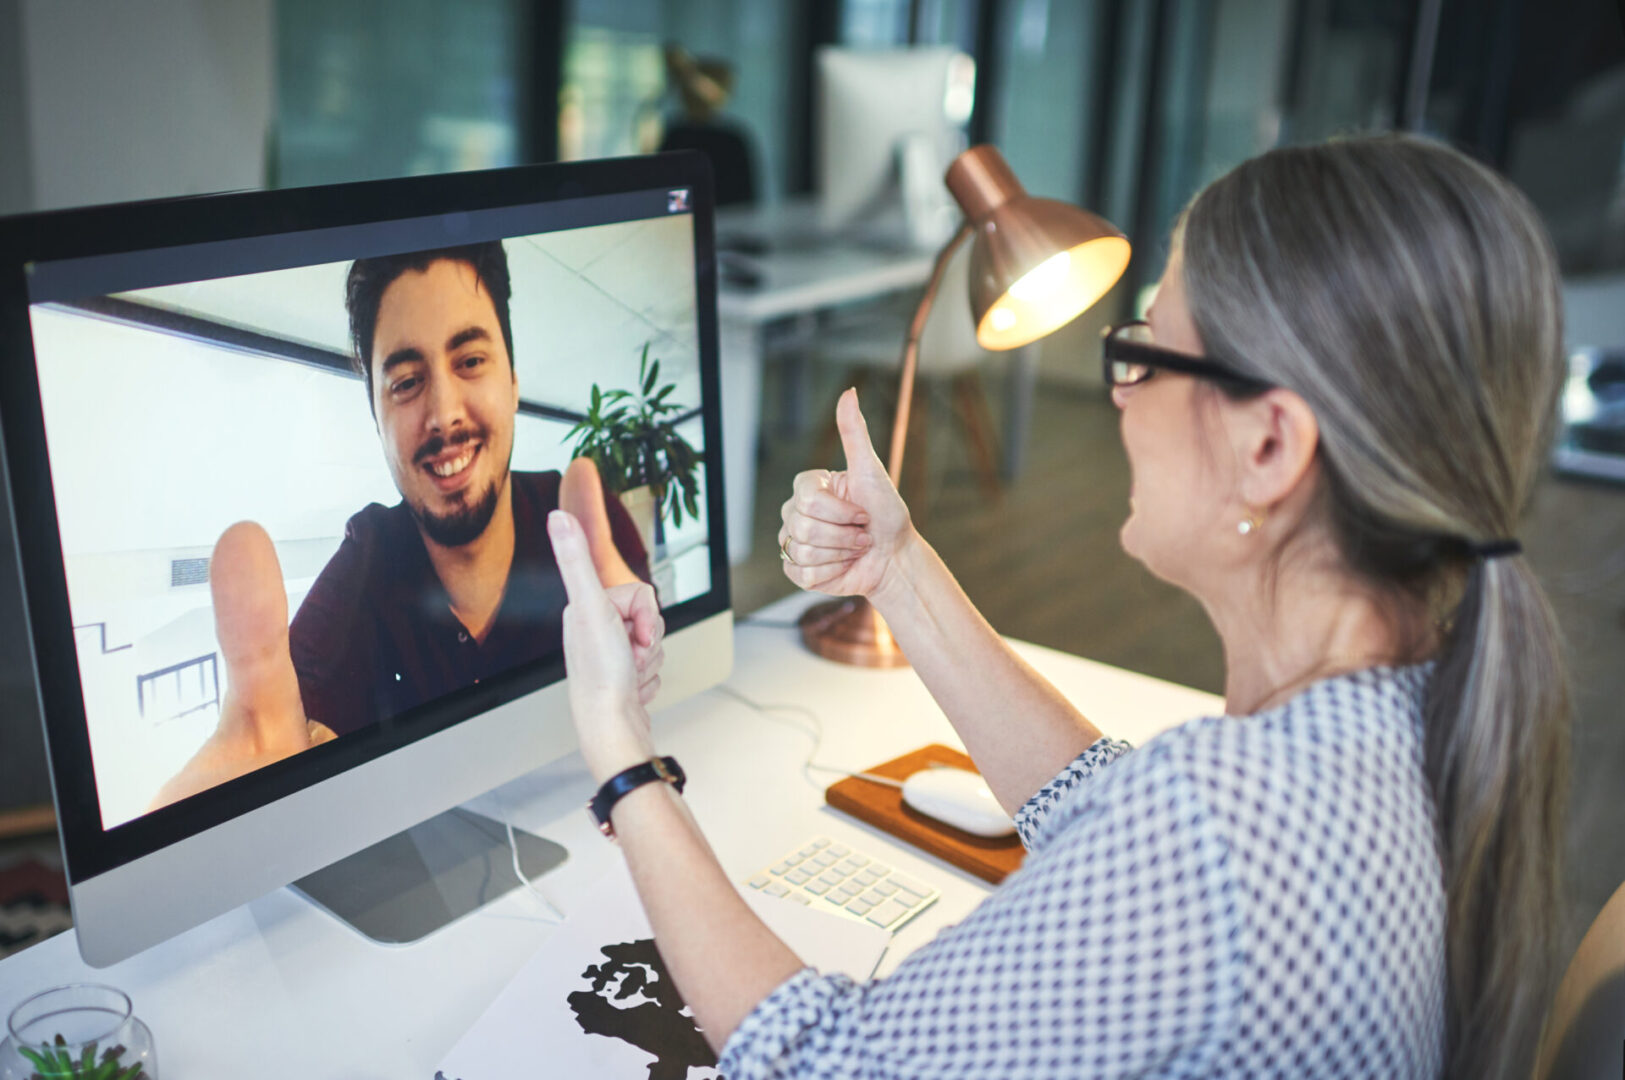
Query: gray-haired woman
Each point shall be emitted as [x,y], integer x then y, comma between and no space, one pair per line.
[1334,419]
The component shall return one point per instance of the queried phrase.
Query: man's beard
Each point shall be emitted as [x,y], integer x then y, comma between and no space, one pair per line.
[467,524]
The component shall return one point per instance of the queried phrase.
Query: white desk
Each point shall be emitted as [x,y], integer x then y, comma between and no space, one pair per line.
[277,988]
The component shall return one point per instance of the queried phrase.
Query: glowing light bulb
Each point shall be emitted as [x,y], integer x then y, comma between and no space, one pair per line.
[1043,279]
[1002,318]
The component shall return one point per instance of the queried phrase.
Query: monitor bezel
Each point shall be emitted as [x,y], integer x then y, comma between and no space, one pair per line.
[89,849]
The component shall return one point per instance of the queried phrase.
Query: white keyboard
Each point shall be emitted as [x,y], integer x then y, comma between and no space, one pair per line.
[834,878]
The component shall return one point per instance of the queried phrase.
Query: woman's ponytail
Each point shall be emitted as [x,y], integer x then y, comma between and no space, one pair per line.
[1497,755]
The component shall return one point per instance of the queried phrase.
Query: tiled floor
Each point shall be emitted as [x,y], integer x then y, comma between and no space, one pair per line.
[1044,565]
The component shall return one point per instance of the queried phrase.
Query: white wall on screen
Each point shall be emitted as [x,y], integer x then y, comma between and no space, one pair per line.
[158,441]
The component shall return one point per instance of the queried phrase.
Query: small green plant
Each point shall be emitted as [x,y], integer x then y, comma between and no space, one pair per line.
[56,1063]
[631,435]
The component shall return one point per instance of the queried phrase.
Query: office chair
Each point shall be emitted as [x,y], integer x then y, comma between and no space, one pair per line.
[1585,1032]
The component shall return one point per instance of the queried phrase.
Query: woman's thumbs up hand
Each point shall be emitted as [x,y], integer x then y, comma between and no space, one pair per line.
[843,530]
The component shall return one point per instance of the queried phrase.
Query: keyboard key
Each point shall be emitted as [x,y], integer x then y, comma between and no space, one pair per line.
[887,913]
[911,885]
[860,886]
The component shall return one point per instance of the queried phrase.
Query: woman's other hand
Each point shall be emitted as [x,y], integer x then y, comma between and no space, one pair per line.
[645,629]
[843,530]
[602,632]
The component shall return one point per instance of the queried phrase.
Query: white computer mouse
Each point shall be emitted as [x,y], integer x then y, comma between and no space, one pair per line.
[958,798]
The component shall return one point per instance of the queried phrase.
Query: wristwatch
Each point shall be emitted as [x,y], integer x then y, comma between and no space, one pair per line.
[617,786]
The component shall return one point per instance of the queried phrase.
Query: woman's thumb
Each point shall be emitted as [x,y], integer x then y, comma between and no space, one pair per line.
[574,560]
[860,451]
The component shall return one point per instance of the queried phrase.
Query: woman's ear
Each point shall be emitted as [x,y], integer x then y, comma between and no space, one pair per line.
[1275,437]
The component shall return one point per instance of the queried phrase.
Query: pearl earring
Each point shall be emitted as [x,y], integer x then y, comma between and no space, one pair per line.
[1249,524]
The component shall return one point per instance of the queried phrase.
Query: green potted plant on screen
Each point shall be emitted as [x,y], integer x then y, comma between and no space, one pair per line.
[631,435]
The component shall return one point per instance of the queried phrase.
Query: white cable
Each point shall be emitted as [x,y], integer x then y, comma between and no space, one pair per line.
[816,732]
[513,849]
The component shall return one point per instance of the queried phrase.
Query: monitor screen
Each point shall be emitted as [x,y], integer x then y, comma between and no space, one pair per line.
[299,467]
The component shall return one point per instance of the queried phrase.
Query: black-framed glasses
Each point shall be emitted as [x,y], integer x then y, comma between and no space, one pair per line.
[1129,357]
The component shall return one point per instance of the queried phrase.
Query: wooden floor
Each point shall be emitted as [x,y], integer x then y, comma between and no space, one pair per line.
[1044,564]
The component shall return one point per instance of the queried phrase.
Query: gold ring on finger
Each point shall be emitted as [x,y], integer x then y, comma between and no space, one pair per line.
[784,552]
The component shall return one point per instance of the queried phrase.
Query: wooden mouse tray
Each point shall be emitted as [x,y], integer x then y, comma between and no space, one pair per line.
[882,807]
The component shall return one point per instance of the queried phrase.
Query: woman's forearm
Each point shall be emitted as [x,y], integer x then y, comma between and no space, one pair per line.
[1018,728]
[722,957]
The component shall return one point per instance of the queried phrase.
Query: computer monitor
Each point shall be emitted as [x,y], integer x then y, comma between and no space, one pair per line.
[889,123]
[174,368]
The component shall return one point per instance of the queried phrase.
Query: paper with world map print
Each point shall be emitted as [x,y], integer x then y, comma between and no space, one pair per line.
[596,1000]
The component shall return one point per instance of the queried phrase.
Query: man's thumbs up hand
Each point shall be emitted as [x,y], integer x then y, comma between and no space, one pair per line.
[843,530]
[261,718]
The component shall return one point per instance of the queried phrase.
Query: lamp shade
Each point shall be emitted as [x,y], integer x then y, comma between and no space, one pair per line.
[1035,264]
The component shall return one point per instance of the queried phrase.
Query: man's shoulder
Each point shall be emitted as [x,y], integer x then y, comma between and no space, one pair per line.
[541,488]
[376,523]
[375,537]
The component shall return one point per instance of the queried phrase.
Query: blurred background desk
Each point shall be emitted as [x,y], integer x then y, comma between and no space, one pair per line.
[799,273]
[277,988]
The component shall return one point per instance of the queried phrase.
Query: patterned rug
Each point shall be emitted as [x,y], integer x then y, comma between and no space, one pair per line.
[33,904]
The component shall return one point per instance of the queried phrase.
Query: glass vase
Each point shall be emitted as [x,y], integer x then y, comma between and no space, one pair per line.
[77,1032]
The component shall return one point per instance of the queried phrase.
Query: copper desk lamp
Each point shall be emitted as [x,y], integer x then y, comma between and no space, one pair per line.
[1036,265]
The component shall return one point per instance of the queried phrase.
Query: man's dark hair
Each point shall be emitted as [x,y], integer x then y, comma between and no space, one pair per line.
[370,278]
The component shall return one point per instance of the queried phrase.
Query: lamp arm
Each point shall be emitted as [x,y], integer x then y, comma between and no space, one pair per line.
[911,353]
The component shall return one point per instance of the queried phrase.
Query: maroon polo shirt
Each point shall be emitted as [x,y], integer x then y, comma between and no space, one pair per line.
[375,635]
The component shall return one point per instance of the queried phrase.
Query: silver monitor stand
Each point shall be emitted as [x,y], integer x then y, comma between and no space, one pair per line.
[409,885]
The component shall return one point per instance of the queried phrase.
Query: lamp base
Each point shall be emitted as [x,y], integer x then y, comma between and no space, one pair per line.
[851,631]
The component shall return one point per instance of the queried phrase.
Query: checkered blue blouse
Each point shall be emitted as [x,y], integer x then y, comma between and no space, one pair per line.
[1242,896]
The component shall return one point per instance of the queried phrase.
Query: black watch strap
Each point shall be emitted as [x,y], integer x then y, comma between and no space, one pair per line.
[617,786]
